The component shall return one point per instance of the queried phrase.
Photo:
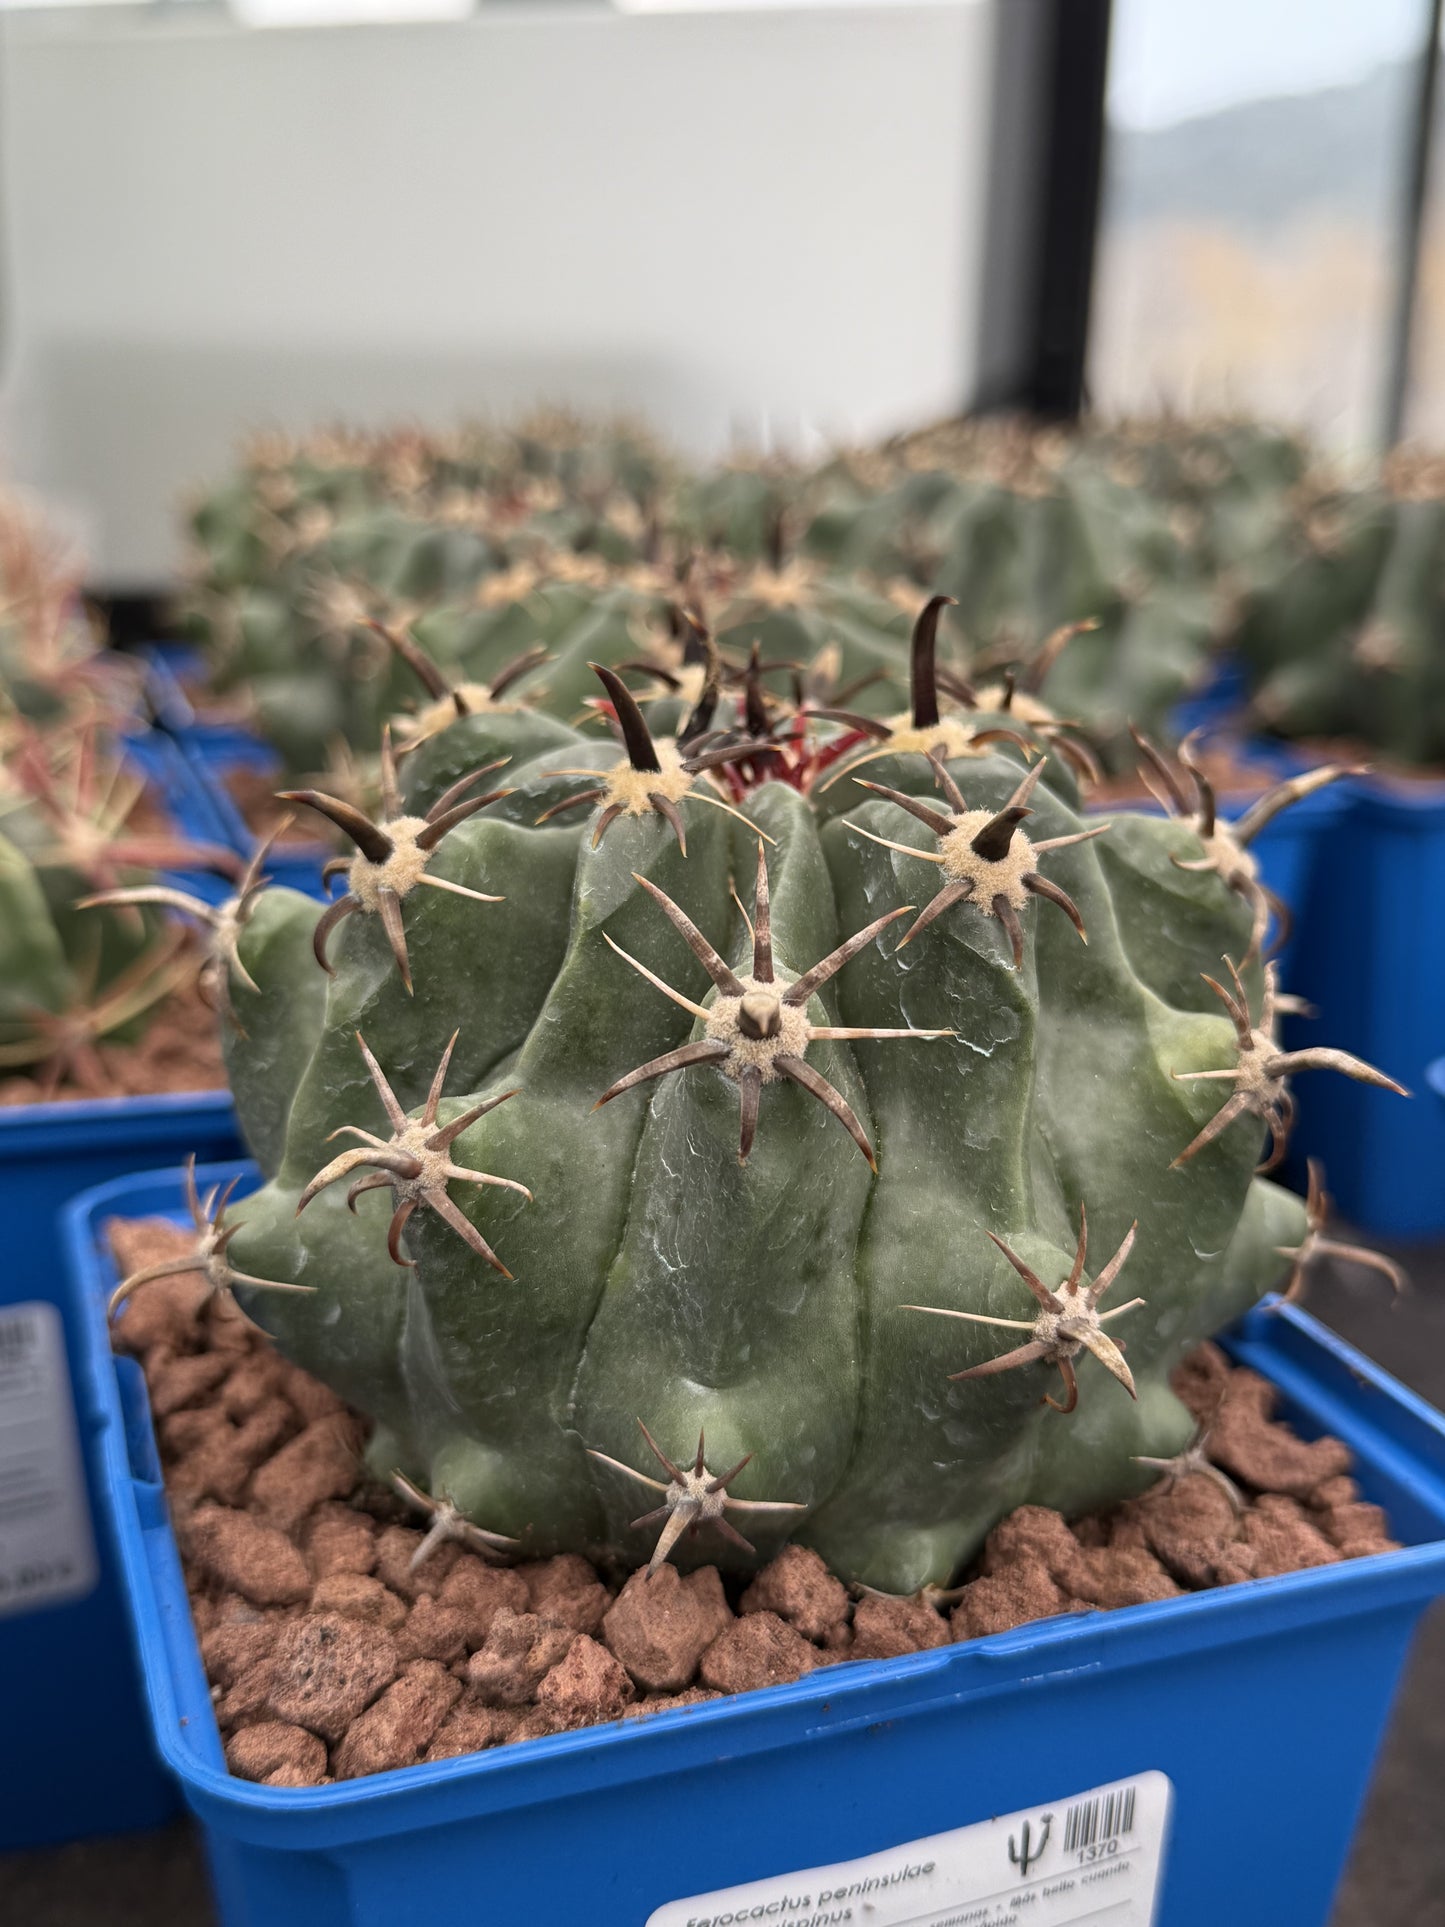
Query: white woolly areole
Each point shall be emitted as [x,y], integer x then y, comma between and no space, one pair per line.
[585,571]
[647,579]
[1226,856]
[432,718]
[1047,1332]
[692,1497]
[995,699]
[1059,1330]
[342,606]
[1005,878]
[400,872]
[632,789]
[786,588]
[226,929]
[507,585]
[432,1177]
[213,1260]
[82,842]
[950,734]
[1251,1073]
[313,525]
[757,1053]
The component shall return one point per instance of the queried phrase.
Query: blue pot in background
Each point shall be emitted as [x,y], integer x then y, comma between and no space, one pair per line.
[217,754]
[1294,852]
[213,750]
[79,1754]
[66,1666]
[166,664]
[1219,702]
[1370,954]
[1362,864]
[1194,1701]
[185,799]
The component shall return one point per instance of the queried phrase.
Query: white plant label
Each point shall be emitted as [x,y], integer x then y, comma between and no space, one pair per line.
[47,1549]
[1092,1860]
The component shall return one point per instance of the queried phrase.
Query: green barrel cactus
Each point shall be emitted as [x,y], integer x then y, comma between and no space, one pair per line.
[85,952]
[1221,479]
[299,555]
[504,545]
[1339,617]
[55,671]
[592,1132]
[1030,532]
[529,631]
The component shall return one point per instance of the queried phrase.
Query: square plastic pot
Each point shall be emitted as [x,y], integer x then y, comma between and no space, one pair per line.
[209,751]
[1370,955]
[1263,1704]
[1294,851]
[217,753]
[1218,703]
[79,1751]
[164,665]
[185,799]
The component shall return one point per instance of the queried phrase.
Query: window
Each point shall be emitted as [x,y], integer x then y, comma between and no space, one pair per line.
[1250,226]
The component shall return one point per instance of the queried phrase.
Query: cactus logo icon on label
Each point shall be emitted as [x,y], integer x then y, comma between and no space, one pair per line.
[1103,1860]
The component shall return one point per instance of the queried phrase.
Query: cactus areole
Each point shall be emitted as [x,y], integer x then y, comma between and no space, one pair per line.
[844,1051]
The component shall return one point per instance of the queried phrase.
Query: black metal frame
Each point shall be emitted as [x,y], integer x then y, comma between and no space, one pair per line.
[1046,174]
[1415,191]
[130,620]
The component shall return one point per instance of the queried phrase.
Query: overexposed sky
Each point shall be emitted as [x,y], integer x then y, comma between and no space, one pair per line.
[1171,59]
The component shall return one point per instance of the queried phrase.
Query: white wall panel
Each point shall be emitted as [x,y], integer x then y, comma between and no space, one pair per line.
[756,223]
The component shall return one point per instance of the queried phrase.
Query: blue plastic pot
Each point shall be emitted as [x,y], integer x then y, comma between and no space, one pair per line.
[1263,1704]
[210,751]
[1296,853]
[1370,954]
[187,776]
[1218,702]
[185,798]
[78,1746]
[166,664]
[210,738]
[217,754]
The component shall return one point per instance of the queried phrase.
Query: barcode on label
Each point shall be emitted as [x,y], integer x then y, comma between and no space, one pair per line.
[47,1550]
[1104,1817]
[17,1336]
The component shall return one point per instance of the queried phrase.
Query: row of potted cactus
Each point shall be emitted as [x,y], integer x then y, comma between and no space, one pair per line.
[1124,575]
[738,1010]
[88,805]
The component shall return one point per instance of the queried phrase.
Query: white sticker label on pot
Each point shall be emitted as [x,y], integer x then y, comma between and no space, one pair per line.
[1093,1858]
[47,1550]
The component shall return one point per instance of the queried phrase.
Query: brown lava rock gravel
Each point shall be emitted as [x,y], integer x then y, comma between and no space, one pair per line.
[660,1627]
[331,1655]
